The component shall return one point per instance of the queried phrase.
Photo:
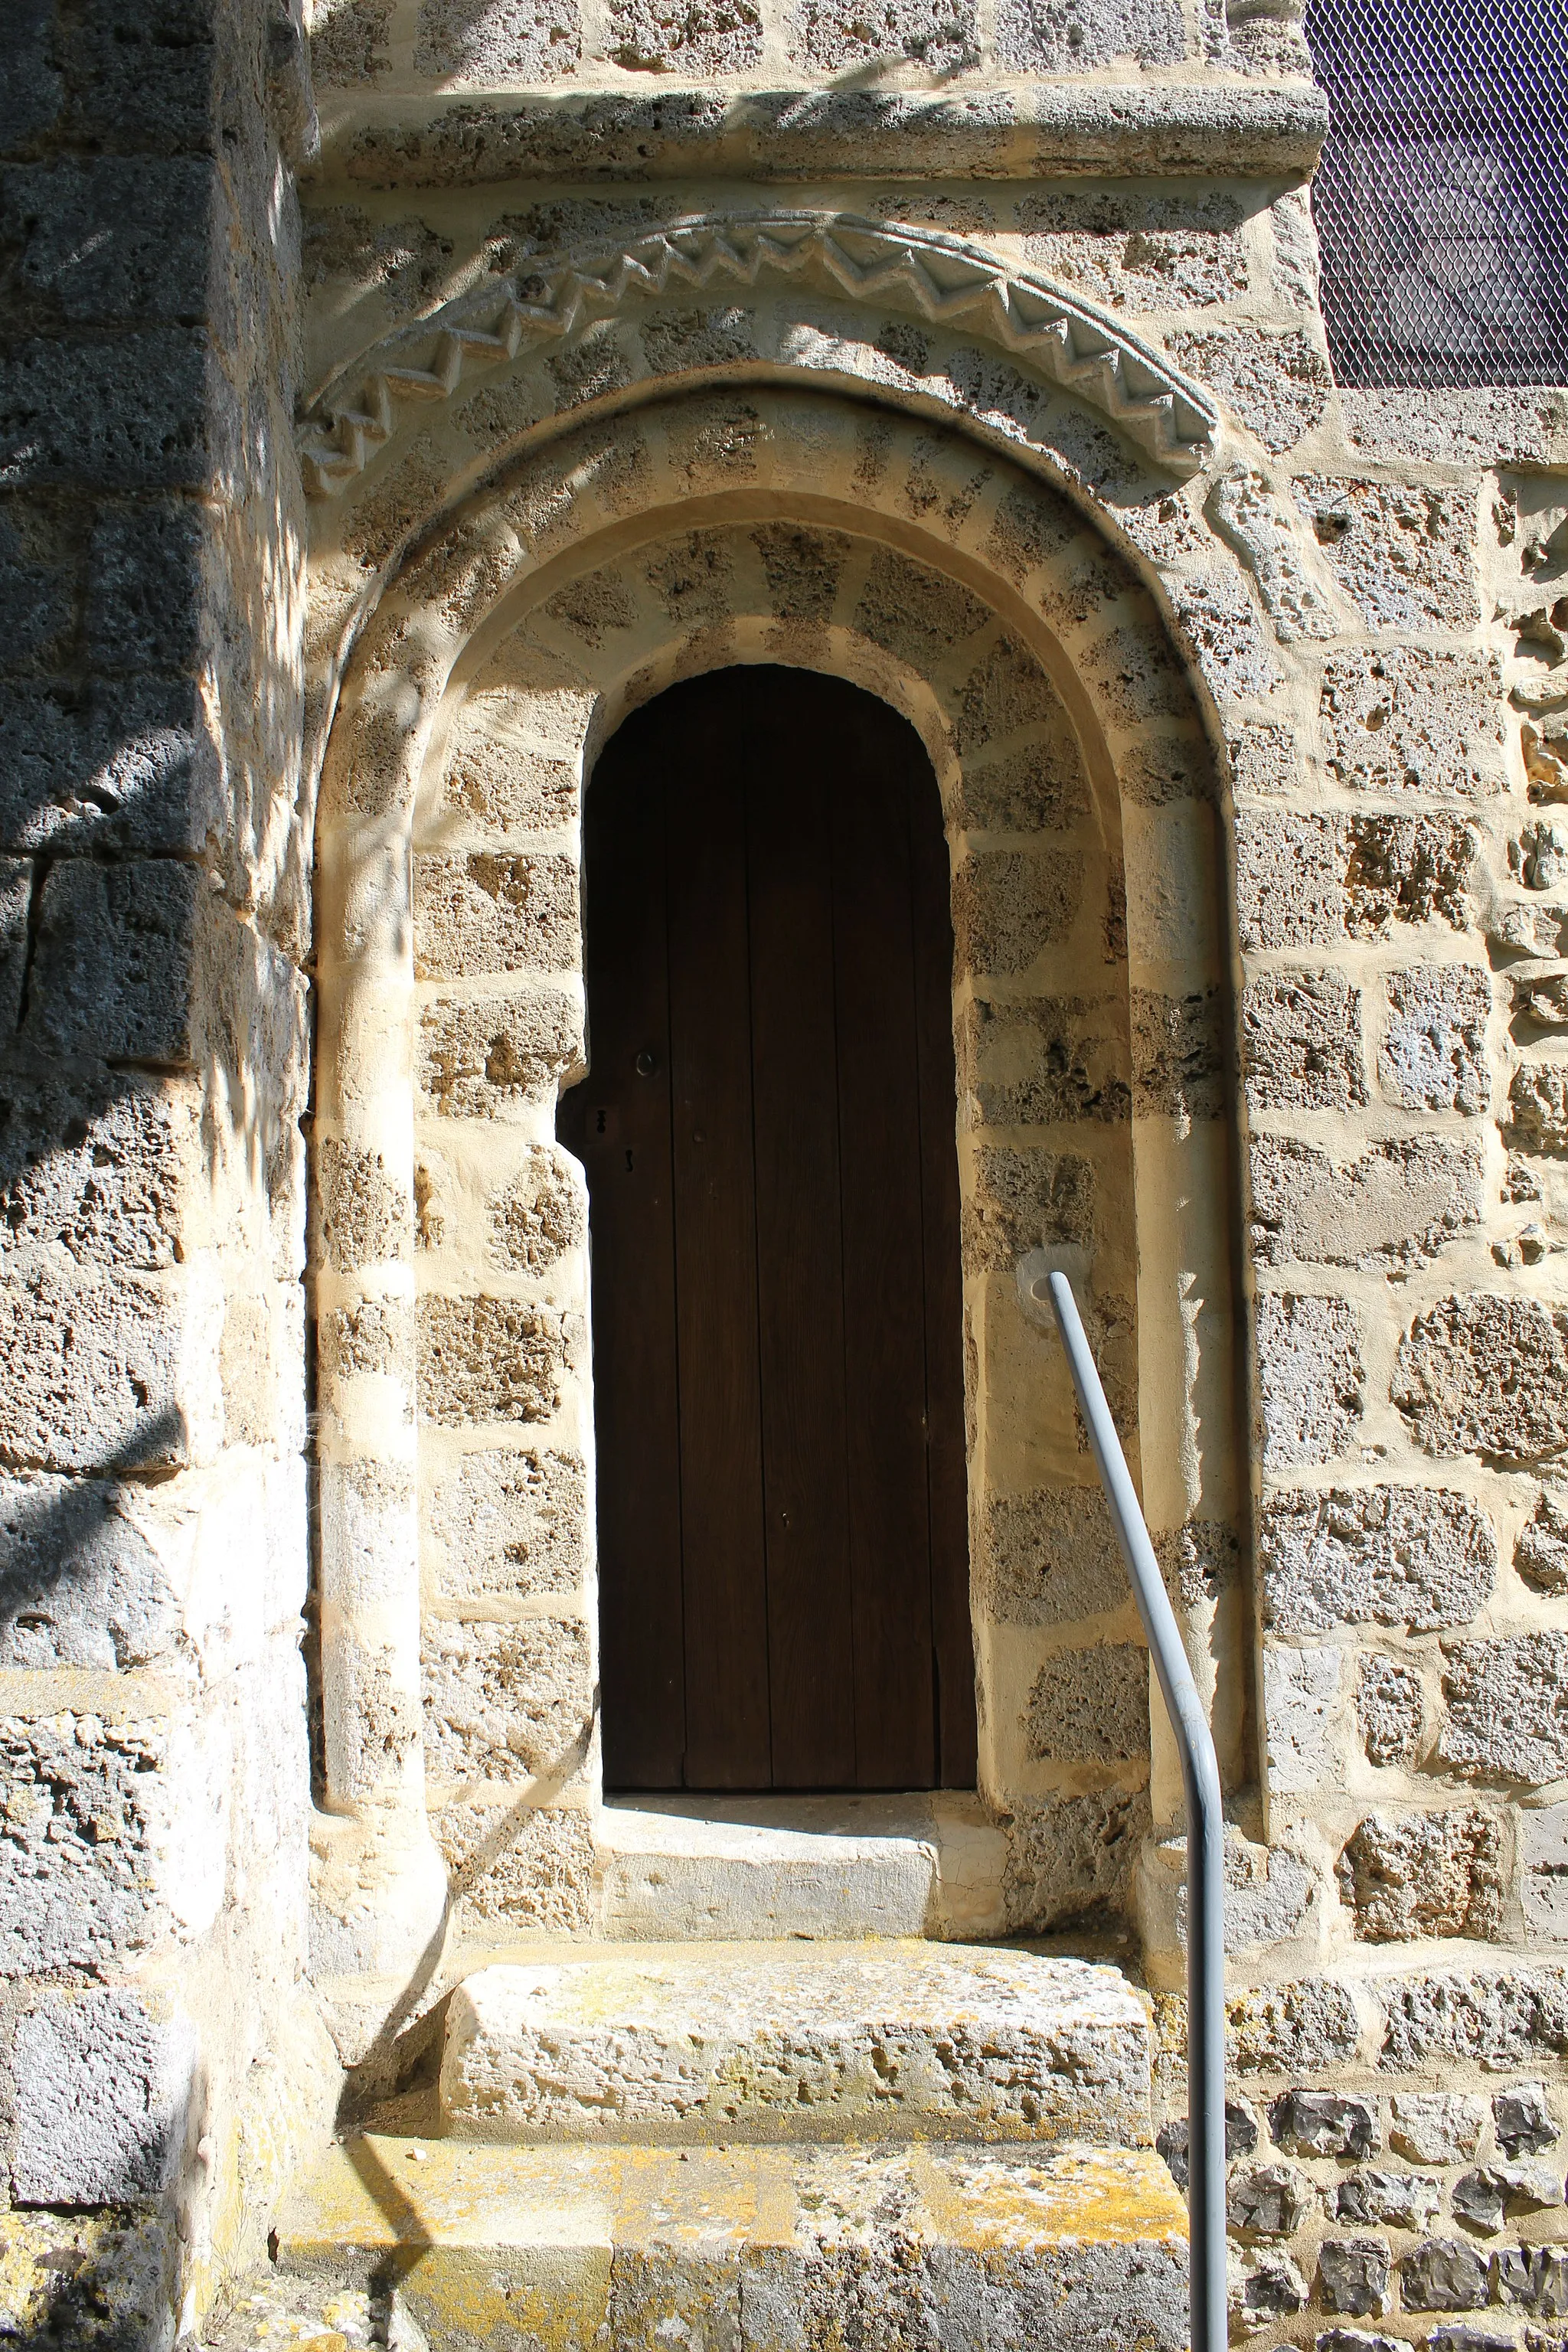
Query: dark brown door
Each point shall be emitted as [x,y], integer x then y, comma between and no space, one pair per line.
[768,1134]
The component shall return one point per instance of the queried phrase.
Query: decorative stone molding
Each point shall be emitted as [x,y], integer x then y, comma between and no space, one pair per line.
[1073,343]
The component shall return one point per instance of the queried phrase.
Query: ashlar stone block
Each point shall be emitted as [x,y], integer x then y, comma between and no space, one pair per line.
[1412,1556]
[1302,1042]
[103,2082]
[1434,1053]
[1424,1874]
[1309,1377]
[1508,1708]
[1486,1375]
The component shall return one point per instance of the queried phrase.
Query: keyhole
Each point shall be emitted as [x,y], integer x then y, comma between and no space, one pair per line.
[599,1116]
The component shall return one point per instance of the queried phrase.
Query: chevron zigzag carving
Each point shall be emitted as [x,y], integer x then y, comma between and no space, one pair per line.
[1073,343]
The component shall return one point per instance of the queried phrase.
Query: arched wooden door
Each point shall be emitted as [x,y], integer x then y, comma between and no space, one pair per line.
[768,1134]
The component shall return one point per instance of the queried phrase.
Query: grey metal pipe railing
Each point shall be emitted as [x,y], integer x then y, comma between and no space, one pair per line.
[1205,1833]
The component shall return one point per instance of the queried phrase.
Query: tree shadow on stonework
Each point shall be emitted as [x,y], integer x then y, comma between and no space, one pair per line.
[79,1583]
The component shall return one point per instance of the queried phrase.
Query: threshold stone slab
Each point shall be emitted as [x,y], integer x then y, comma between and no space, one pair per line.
[728,2042]
[919,2249]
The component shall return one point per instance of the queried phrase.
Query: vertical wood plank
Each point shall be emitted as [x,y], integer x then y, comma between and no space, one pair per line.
[932,899]
[799,1250]
[619,1122]
[880,767]
[725,1577]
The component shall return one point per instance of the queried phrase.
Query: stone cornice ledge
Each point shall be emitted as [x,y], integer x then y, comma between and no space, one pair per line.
[1035,130]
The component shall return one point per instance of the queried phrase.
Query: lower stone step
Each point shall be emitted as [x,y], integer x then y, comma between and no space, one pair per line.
[952,2248]
[789,2042]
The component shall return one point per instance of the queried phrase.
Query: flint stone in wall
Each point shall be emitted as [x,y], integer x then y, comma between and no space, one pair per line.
[1071,1859]
[1407,2200]
[1009,905]
[1397,1204]
[1301,1043]
[1300,1697]
[1023,1201]
[1178,1055]
[512,1525]
[1091,1705]
[1434,2126]
[1322,2123]
[1426,1874]
[1269,2287]
[112,1374]
[1405,555]
[79,1584]
[494,1058]
[1524,2120]
[1389,1710]
[504,1702]
[1497,2021]
[1443,2274]
[1543,1885]
[1309,1378]
[1049,1558]
[1411,1556]
[1352,2339]
[1434,1052]
[1271,2202]
[103,2087]
[1540,1555]
[489,41]
[98,1170]
[486,1359]
[491,912]
[1354,2276]
[532,1871]
[1486,1375]
[113,964]
[1135,249]
[1508,1708]
[1483,2197]
[1538,1107]
[1533,2279]
[1049,1061]
[1291,2029]
[1398,719]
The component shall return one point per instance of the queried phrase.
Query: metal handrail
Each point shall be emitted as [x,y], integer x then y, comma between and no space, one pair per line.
[1206,1836]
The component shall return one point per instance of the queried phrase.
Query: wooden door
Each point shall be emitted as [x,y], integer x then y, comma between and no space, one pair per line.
[767,1130]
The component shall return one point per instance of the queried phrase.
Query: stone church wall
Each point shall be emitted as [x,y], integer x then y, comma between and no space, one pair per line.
[1349,609]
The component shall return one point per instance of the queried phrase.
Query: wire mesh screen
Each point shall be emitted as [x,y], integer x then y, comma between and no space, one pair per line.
[1442,198]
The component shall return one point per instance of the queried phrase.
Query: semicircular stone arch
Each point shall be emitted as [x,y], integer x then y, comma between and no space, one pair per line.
[457,1415]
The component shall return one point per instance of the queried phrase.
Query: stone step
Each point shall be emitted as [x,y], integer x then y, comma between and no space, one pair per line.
[746,1869]
[780,2042]
[951,2248]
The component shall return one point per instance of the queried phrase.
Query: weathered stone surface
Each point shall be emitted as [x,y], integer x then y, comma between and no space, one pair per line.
[492,912]
[1049,1558]
[1070,1859]
[493,1058]
[1269,2288]
[1219,622]
[1085,33]
[655,2048]
[505,1701]
[1397,1204]
[1024,1200]
[1300,1693]
[1308,1377]
[1425,1874]
[1434,2126]
[1137,250]
[507,784]
[1276,383]
[715,37]
[1524,2121]
[1532,2279]
[77,1864]
[1322,2123]
[1179,1056]
[937,34]
[1411,1555]
[489,1359]
[1543,1857]
[112,966]
[365,1217]
[1443,2274]
[490,41]
[1302,1045]
[1270,2203]
[1405,554]
[1297,588]
[1497,2019]
[1008,905]
[1537,1107]
[540,1215]
[1434,1052]
[1541,1554]
[1354,2276]
[349,41]
[1405,869]
[98,1172]
[79,1583]
[1407,2200]
[104,2082]
[1390,1709]
[533,1873]
[1091,1705]
[1403,720]
[512,1524]
[1050,1060]
[1484,2197]
[112,1374]
[1291,2028]
[1482,1374]
[1508,1708]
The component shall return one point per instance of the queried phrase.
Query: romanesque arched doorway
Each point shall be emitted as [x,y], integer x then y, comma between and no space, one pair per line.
[767,1131]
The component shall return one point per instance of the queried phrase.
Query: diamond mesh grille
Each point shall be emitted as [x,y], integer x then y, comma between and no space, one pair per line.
[1442,198]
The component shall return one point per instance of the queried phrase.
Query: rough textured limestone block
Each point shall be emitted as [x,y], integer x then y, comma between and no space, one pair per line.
[1390,1709]
[1543,1885]
[1411,1555]
[1406,719]
[110,1374]
[493,912]
[113,1606]
[1295,2028]
[1486,1375]
[505,1700]
[1300,1696]
[1508,1708]
[493,1058]
[965,2249]
[1397,1204]
[1537,1107]
[491,1359]
[1424,1874]
[103,2088]
[1309,1378]
[511,1525]
[762,2045]
[1405,555]
[1434,1052]
[1091,1705]
[1495,2017]
[1135,248]
[1071,1858]
[1301,1043]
